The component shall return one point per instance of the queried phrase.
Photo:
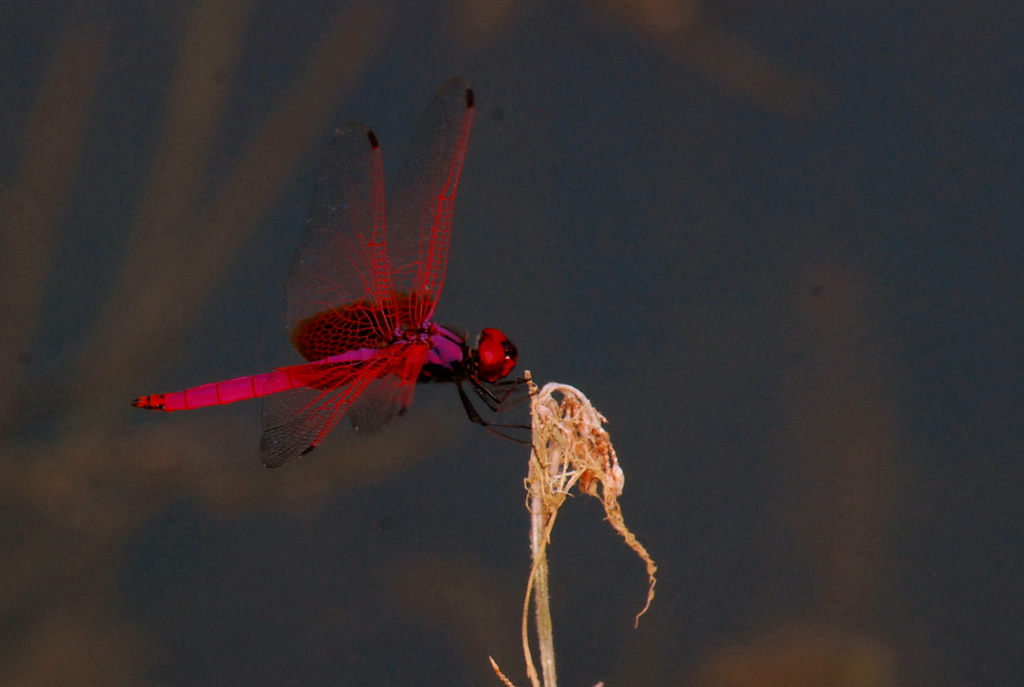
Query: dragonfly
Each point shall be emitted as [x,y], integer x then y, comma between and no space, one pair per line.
[361,296]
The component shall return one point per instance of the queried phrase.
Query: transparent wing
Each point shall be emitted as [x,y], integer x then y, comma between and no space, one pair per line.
[297,420]
[391,395]
[423,200]
[384,400]
[342,258]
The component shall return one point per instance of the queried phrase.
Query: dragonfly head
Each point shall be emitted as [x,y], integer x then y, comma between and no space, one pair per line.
[494,356]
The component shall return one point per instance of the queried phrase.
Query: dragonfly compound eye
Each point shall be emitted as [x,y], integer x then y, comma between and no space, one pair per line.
[496,355]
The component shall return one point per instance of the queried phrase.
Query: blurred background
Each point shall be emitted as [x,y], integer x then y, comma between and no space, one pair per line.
[776,243]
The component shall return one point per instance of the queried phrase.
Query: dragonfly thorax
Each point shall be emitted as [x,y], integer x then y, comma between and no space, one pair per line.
[493,358]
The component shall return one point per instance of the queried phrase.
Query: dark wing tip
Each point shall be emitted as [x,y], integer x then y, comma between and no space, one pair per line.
[469,98]
[373,140]
[276,461]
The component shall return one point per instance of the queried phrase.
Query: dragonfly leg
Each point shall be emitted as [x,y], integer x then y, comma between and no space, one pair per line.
[514,389]
[474,415]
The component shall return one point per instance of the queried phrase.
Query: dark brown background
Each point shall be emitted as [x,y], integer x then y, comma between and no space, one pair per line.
[777,243]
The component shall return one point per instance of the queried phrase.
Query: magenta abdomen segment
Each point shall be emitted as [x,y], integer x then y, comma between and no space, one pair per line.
[244,388]
[233,390]
[219,393]
[446,348]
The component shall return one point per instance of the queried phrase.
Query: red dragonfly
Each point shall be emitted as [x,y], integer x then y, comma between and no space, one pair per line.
[361,296]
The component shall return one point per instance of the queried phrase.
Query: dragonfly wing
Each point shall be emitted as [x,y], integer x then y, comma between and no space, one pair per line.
[342,258]
[391,395]
[384,400]
[424,198]
[298,419]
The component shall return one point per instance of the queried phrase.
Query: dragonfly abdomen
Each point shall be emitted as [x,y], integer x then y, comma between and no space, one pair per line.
[220,393]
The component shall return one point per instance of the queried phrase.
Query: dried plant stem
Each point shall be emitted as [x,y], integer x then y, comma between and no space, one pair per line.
[542,518]
[570,446]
